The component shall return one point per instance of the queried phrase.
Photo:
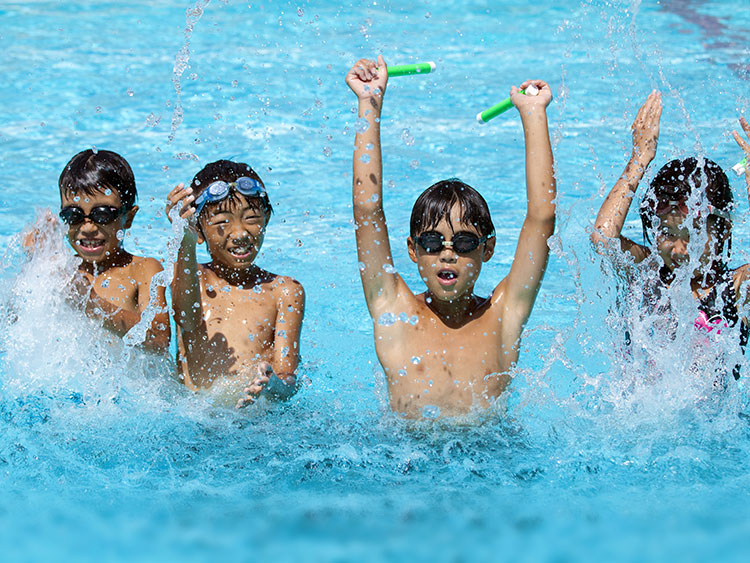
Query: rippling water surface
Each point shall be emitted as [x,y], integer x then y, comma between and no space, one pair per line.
[104,456]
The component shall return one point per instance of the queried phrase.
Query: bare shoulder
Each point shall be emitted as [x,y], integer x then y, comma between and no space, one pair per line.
[144,267]
[286,287]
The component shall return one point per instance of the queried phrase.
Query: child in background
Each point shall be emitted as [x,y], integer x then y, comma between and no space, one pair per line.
[457,351]
[687,198]
[97,193]
[236,323]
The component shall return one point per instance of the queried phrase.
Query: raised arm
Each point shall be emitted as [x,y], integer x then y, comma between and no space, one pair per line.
[186,292]
[742,274]
[519,288]
[614,210]
[380,282]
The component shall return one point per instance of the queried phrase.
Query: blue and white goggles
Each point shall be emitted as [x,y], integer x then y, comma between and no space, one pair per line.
[219,190]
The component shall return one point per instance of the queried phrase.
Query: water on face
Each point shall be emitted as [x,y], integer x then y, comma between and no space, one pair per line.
[596,449]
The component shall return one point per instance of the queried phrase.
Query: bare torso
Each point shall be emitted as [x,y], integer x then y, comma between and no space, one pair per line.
[429,363]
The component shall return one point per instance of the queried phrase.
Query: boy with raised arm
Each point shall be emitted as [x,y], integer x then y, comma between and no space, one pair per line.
[458,354]
[97,205]
[237,324]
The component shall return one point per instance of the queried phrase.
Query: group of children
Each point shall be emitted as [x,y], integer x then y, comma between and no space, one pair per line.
[240,325]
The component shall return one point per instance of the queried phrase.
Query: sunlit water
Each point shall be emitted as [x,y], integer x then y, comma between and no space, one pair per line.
[103,455]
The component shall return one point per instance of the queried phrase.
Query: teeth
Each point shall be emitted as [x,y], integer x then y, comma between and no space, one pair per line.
[446,275]
[90,243]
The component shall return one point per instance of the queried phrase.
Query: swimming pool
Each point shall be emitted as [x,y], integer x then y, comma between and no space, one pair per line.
[103,457]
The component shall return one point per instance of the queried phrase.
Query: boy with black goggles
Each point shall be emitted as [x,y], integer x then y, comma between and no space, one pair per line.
[257,316]
[457,349]
[97,193]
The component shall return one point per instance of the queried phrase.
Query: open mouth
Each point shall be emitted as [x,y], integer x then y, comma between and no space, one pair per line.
[447,277]
[240,251]
[91,246]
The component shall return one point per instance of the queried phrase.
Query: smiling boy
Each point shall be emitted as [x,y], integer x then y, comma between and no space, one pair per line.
[456,352]
[97,193]
[237,324]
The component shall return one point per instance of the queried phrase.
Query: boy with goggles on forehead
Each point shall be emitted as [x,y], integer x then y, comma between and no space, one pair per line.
[238,326]
[457,349]
[97,193]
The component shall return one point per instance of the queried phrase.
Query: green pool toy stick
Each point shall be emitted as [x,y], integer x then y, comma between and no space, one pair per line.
[406,70]
[502,107]
[740,167]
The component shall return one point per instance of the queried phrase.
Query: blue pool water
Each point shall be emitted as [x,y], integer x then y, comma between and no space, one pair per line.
[103,456]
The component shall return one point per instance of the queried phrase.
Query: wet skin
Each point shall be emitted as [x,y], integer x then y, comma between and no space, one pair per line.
[115,284]
[247,317]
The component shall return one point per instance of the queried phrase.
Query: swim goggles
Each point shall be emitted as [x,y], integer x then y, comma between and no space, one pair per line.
[219,190]
[461,243]
[681,206]
[101,215]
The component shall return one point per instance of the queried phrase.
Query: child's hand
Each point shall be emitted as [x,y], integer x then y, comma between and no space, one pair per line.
[263,372]
[368,79]
[646,129]
[39,232]
[183,198]
[745,147]
[526,103]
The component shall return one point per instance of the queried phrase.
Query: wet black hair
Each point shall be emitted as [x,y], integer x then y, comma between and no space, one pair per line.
[676,180]
[94,171]
[436,202]
[228,171]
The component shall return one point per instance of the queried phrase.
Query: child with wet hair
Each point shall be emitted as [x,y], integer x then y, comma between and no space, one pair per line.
[238,326]
[456,351]
[97,205]
[687,198]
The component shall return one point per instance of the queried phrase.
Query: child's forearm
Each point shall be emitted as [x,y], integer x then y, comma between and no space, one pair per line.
[367,184]
[186,296]
[540,175]
[611,218]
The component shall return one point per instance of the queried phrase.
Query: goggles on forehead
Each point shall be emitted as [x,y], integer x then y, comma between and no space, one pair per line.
[101,215]
[681,206]
[219,190]
[461,243]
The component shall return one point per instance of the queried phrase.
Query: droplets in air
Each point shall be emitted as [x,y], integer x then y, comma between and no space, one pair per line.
[365,158]
[361,125]
[431,411]
[416,360]
[327,152]
[120,234]
[407,137]
[389,269]
[414,164]
[300,12]
[362,266]
[257,289]
[402,372]
[387,319]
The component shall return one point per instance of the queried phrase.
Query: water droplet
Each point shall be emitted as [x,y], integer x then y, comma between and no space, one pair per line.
[257,289]
[365,158]
[369,146]
[428,15]
[251,336]
[403,317]
[416,360]
[407,137]
[389,269]
[402,372]
[362,266]
[300,12]
[413,320]
[120,234]
[431,411]
[387,319]
[327,151]
[226,289]
[361,125]
[298,242]
[105,283]
[284,351]
[130,92]
[414,164]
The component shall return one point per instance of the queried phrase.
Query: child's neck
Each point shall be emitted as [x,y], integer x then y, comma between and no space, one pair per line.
[456,312]
[120,258]
[246,277]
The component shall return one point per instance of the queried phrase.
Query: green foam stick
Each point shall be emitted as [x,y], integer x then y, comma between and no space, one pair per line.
[405,70]
[740,167]
[502,107]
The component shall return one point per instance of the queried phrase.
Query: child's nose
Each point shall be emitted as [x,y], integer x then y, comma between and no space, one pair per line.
[447,254]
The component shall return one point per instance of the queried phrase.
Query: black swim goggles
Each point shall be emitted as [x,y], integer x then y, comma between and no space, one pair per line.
[101,215]
[216,191]
[461,243]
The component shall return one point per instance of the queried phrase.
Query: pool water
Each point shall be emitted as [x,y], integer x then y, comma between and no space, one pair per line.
[104,456]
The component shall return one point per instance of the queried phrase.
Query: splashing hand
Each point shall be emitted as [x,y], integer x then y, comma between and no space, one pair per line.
[646,129]
[745,146]
[183,198]
[263,372]
[40,231]
[368,79]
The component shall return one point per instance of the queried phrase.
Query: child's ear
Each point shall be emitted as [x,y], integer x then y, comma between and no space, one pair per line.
[129,216]
[489,249]
[412,249]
